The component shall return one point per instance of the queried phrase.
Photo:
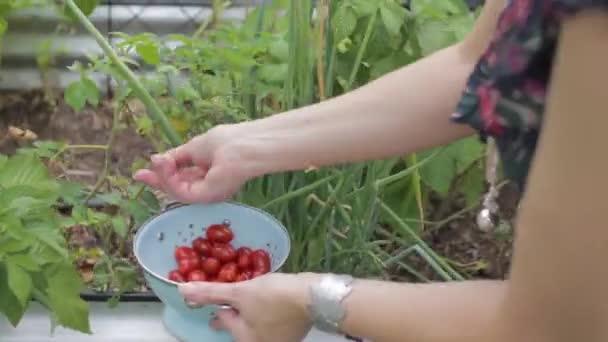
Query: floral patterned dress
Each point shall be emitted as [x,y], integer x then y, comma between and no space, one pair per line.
[506,93]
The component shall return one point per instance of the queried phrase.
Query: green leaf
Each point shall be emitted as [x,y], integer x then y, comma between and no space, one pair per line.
[3,26]
[19,281]
[388,64]
[25,261]
[86,7]
[186,93]
[9,304]
[11,245]
[149,199]
[139,212]
[472,185]
[279,49]
[364,8]
[436,9]
[113,198]
[78,94]
[344,22]
[148,52]
[22,170]
[70,192]
[451,162]
[272,72]
[433,36]
[120,226]
[51,239]
[64,286]
[393,16]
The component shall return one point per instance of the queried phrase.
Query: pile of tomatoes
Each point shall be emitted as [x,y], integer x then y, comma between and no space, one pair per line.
[213,258]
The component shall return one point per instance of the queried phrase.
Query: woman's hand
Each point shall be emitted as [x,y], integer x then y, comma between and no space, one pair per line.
[209,168]
[266,309]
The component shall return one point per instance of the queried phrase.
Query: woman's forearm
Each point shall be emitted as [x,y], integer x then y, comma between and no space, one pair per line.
[440,312]
[404,111]
[383,311]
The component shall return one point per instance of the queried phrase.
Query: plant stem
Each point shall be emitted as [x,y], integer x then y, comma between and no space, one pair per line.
[323,9]
[86,147]
[300,191]
[108,154]
[154,110]
[362,49]
[412,235]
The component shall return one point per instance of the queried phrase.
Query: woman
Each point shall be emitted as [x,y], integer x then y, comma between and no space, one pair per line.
[524,64]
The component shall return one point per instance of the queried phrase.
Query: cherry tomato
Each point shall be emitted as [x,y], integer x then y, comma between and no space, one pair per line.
[257,273]
[260,261]
[219,233]
[228,273]
[202,246]
[197,275]
[224,253]
[211,266]
[185,266]
[244,261]
[243,250]
[243,276]
[175,276]
[184,252]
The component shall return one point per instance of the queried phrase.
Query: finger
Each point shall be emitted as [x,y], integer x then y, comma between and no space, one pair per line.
[210,293]
[192,173]
[181,155]
[219,324]
[215,187]
[148,177]
[235,324]
[166,170]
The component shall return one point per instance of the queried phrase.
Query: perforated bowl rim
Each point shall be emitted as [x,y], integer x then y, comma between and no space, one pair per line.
[175,205]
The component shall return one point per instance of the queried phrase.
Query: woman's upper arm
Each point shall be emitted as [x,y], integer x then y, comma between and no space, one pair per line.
[559,276]
[480,35]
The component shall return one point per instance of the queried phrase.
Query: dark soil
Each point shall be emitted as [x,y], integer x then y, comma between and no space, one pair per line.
[57,121]
[470,251]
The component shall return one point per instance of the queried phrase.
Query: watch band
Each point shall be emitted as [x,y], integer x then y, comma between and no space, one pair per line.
[326,297]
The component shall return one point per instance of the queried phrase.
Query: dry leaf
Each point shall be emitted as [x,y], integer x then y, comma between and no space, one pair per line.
[20,134]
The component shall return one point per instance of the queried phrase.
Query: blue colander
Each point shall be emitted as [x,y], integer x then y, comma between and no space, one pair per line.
[179,224]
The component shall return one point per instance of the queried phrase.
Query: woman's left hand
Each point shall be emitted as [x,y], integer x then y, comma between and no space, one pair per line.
[269,308]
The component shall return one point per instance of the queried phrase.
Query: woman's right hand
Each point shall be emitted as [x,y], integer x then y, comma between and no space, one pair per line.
[209,168]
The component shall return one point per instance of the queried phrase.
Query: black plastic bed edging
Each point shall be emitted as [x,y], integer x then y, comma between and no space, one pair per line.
[92,296]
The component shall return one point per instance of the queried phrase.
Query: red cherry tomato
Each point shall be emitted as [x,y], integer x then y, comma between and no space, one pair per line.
[224,253]
[202,246]
[175,276]
[184,252]
[243,250]
[197,275]
[257,273]
[219,233]
[211,266]
[260,261]
[243,276]
[228,273]
[244,261]
[185,266]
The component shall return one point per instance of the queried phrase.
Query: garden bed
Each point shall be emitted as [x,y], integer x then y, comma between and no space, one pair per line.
[477,254]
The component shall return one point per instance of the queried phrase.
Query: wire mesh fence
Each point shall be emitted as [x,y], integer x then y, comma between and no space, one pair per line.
[21,48]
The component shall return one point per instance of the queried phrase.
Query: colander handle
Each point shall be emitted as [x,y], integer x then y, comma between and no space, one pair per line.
[172,205]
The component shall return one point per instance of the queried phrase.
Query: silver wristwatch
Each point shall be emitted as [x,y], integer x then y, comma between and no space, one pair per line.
[326,297]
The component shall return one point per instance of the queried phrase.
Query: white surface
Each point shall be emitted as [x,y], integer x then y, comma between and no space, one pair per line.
[128,322]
